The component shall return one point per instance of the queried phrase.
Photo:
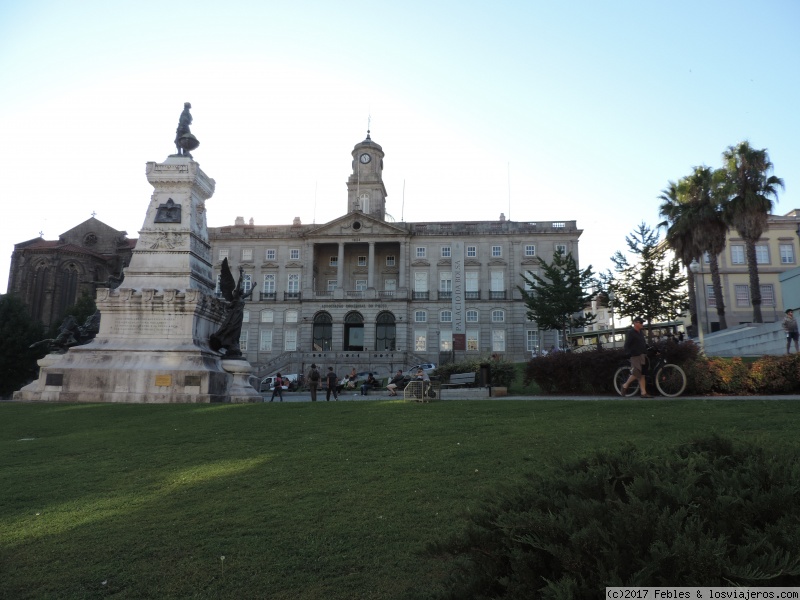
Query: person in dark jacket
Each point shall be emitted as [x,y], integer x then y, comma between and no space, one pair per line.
[330,385]
[636,347]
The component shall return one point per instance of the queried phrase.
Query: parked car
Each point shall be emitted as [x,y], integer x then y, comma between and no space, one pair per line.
[267,383]
[427,367]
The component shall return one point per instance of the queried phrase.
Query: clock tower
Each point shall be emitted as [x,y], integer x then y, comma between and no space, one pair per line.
[365,189]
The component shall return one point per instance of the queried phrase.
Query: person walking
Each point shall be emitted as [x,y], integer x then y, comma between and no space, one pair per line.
[636,347]
[790,325]
[313,382]
[277,387]
[331,381]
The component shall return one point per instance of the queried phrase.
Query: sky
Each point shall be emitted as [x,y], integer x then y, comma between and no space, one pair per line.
[543,111]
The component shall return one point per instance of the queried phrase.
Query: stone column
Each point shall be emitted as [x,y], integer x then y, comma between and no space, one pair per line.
[401,278]
[371,266]
[340,267]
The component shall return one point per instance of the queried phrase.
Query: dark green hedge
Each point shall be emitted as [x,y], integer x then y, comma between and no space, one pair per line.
[708,513]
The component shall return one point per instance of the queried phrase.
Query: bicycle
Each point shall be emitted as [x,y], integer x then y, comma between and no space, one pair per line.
[669,379]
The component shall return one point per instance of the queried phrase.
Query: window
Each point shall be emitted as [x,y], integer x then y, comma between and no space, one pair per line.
[243,341]
[530,250]
[762,254]
[362,261]
[706,258]
[265,345]
[322,332]
[445,251]
[294,254]
[247,254]
[247,282]
[497,251]
[472,316]
[711,299]
[446,316]
[270,254]
[267,316]
[218,289]
[390,261]
[767,294]
[445,340]
[269,283]
[497,285]
[361,285]
[562,248]
[289,340]
[293,283]
[498,340]
[472,340]
[421,252]
[498,316]
[471,290]
[331,284]
[291,316]
[245,316]
[472,251]
[364,201]
[531,340]
[446,282]
[737,255]
[223,253]
[742,295]
[420,316]
[334,262]
[421,281]
[787,254]
[420,340]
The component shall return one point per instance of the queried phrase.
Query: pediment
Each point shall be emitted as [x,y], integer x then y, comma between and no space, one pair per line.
[530,261]
[294,265]
[357,224]
[444,262]
[420,263]
[471,262]
[497,263]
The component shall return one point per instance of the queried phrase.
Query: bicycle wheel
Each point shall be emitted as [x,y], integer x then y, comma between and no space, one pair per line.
[671,380]
[620,377]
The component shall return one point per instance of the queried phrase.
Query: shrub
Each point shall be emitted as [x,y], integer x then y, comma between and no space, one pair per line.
[706,513]
[575,372]
[775,375]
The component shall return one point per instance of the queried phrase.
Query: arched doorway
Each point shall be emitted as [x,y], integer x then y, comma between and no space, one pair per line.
[385,332]
[354,331]
[323,332]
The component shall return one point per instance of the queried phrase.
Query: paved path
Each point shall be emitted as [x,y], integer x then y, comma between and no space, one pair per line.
[306,397]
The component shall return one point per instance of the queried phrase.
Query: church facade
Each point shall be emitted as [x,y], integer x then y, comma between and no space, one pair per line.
[50,275]
[366,292]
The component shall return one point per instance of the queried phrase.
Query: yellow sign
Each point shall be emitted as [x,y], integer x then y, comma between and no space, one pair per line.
[163,380]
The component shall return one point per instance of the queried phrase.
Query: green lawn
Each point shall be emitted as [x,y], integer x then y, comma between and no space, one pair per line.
[326,500]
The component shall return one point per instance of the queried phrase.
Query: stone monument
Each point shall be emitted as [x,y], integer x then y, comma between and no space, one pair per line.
[153,342]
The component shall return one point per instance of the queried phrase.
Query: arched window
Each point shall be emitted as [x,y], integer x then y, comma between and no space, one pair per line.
[354,331]
[385,332]
[323,332]
[472,316]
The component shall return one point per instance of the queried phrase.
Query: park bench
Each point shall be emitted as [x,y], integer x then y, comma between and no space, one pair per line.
[461,379]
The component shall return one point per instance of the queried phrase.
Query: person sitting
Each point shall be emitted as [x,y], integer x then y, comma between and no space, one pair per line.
[368,385]
[350,381]
[396,381]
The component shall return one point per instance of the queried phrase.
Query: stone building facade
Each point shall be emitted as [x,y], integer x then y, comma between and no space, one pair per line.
[50,275]
[366,292]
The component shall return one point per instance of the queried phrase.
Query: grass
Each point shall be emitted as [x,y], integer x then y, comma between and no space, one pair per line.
[304,501]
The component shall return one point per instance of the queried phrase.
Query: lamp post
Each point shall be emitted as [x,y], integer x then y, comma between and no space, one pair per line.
[611,298]
[695,266]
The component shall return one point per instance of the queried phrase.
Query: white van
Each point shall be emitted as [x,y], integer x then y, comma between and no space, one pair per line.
[268,382]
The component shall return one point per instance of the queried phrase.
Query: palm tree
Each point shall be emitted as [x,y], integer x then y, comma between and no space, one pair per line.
[705,191]
[680,237]
[749,204]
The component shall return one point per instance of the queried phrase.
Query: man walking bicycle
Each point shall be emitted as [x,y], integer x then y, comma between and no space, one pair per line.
[636,347]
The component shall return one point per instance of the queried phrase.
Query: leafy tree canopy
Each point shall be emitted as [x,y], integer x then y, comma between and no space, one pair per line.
[18,330]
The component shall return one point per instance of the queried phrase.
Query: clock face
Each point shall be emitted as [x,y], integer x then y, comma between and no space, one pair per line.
[365,158]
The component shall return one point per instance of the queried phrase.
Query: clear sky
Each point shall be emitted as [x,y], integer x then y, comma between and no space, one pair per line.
[540,110]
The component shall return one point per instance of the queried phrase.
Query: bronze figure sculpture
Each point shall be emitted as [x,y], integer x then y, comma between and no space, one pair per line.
[227,336]
[184,140]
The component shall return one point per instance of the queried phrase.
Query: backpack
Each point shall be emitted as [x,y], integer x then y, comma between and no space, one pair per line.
[314,375]
[278,381]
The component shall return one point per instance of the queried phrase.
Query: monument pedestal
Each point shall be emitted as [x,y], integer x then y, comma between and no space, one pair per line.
[153,340]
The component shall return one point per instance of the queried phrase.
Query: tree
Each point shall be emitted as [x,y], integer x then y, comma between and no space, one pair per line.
[18,330]
[697,226]
[557,299]
[750,202]
[652,287]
